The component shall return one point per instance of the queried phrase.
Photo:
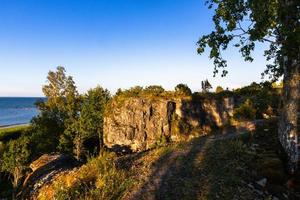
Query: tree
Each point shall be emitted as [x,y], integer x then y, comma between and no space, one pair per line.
[206,86]
[15,159]
[246,22]
[183,89]
[245,111]
[90,122]
[72,113]
[219,89]
[56,123]
[154,89]
[119,92]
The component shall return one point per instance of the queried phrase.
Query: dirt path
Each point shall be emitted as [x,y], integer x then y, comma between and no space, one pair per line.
[180,172]
[233,166]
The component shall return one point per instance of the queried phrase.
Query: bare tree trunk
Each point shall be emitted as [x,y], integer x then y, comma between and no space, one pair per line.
[288,125]
[17,175]
[78,147]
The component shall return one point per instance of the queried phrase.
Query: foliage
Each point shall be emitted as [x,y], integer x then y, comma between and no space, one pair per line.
[57,115]
[15,159]
[183,89]
[8,133]
[265,98]
[155,90]
[245,22]
[45,131]
[278,85]
[219,89]
[245,111]
[98,179]
[133,91]
[68,122]
[206,86]
[90,122]
[72,112]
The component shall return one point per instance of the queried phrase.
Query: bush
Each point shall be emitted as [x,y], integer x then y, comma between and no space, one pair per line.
[11,133]
[98,179]
[245,111]
[219,89]
[183,89]
[155,90]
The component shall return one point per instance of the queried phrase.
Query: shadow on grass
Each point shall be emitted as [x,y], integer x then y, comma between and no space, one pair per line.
[217,168]
[175,174]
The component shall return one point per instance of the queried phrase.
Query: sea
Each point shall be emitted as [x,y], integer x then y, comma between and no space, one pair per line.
[17,110]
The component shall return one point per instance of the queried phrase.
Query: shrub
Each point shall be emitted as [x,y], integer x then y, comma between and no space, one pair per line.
[11,133]
[219,89]
[183,89]
[245,111]
[15,159]
[98,179]
[155,90]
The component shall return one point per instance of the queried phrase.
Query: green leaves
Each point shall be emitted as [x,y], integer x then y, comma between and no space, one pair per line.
[244,23]
[15,158]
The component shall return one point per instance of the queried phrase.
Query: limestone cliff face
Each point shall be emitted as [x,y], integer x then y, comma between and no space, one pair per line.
[139,123]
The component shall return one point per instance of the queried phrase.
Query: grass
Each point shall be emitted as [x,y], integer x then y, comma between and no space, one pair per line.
[12,132]
[98,179]
[207,168]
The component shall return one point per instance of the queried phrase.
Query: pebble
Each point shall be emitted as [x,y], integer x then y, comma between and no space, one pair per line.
[250,186]
[262,182]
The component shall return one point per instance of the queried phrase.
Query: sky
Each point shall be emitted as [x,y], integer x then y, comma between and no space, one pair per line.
[112,43]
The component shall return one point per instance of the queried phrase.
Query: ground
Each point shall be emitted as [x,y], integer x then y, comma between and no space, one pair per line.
[235,165]
[232,166]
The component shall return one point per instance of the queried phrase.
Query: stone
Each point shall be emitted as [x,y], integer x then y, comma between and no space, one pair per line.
[262,182]
[44,169]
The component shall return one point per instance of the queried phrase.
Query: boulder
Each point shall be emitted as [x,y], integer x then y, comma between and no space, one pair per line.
[44,169]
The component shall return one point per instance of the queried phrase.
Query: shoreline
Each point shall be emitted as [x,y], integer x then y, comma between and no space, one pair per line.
[14,125]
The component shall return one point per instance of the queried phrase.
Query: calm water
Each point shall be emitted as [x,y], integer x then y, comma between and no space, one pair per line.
[17,110]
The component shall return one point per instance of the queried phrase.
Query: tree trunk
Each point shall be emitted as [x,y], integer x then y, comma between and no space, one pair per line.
[101,144]
[288,125]
[290,49]
[17,175]
[78,147]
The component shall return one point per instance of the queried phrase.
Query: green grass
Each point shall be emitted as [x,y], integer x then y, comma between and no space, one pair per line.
[7,133]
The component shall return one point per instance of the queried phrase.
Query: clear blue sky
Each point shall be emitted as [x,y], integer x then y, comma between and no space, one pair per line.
[114,43]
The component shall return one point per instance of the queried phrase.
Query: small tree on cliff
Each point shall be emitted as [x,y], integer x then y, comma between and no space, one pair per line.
[219,89]
[245,22]
[183,89]
[154,90]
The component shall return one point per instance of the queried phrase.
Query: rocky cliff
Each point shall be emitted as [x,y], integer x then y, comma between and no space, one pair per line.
[140,123]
